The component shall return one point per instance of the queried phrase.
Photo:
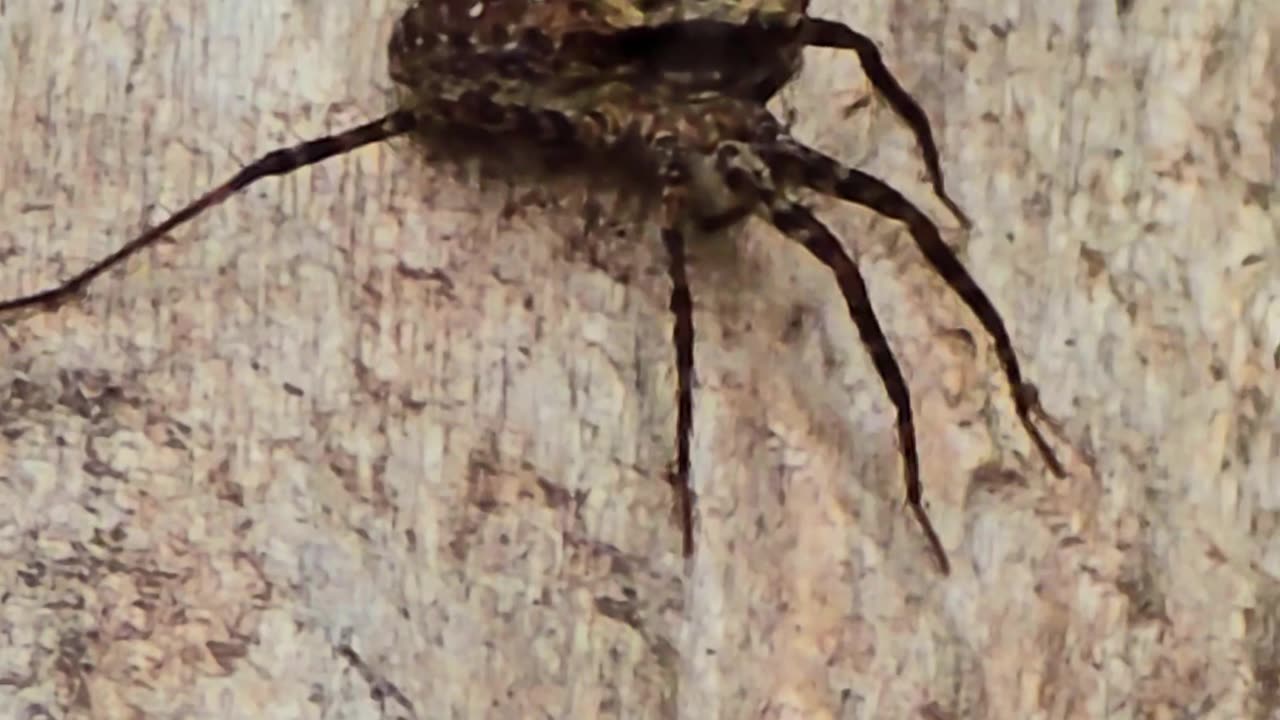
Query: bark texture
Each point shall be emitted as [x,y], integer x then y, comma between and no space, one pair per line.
[387,438]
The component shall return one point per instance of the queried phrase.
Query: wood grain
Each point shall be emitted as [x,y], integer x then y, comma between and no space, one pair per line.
[387,438]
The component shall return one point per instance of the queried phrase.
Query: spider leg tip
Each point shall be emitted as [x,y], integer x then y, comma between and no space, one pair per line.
[931,535]
[1028,401]
[960,215]
[1042,446]
[1055,465]
[944,566]
[40,303]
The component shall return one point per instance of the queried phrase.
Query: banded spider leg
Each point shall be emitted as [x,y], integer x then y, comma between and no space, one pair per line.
[277,162]
[674,177]
[826,33]
[754,171]
[804,166]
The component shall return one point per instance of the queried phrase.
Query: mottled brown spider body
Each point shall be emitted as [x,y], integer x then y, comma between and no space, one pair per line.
[680,87]
[563,52]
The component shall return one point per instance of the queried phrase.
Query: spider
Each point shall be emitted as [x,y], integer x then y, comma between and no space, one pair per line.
[675,90]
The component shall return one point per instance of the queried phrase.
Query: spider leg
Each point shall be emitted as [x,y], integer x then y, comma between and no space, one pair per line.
[548,127]
[826,33]
[800,224]
[806,166]
[541,126]
[682,335]
[674,176]
[747,175]
[277,162]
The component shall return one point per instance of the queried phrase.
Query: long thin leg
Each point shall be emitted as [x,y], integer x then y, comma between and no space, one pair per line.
[278,162]
[799,223]
[748,175]
[811,168]
[549,128]
[674,178]
[826,33]
[682,336]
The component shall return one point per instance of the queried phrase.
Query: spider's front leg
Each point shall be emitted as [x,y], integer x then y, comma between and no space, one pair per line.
[802,165]
[746,175]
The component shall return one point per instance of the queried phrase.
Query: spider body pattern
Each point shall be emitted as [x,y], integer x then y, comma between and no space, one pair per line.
[677,89]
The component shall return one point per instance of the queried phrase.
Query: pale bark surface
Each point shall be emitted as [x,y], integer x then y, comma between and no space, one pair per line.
[418,411]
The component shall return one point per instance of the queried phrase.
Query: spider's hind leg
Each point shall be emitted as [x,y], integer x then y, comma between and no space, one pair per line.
[277,162]
[805,166]
[827,33]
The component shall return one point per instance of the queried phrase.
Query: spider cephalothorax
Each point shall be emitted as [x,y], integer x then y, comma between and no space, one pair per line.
[677,89]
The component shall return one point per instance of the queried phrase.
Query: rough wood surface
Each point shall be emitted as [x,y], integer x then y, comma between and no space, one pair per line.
[387,438]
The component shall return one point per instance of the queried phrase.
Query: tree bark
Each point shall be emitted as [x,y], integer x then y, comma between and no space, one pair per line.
[389,437]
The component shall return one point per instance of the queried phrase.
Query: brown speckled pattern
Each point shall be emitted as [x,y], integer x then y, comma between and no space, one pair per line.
[397,424]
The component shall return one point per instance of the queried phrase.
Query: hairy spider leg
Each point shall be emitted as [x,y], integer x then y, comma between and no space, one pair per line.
[597,130]
[755,185]
[797,222]
[471,109]
[547,126]
[805,166]
[826,33]
[682,336]
[674,177]
[541,126]
[277,162]
[586,130]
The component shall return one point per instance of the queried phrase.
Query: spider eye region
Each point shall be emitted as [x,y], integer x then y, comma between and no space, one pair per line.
[716,201]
